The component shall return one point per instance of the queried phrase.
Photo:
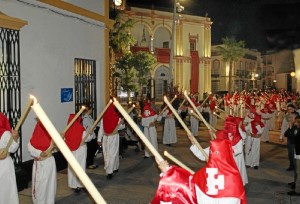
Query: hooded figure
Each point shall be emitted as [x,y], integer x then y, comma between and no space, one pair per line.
[8,193]
[73,139]
[109,137]
[254,129]
[148,122]
[44,167]
[219,181]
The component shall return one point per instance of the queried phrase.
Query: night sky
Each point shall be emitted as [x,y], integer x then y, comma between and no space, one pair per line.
[262,24]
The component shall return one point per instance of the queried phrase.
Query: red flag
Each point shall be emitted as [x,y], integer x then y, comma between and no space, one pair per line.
[220,179]
[176,186]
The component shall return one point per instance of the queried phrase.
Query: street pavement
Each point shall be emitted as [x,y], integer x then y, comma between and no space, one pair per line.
[137,179]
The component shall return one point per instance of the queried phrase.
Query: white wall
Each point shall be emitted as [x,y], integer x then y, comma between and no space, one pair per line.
[49,44]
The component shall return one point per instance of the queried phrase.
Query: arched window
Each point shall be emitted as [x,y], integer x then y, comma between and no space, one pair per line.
[216,67]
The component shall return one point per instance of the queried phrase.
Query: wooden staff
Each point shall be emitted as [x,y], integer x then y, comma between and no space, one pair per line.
[198,118]
[182,103]
[196,110]
[100,116]
[80,173]
[185,127]
[179,163]
[131,109]
[212,136]
[138,131]
[49,150]
[202,104]
[166,106]
[20,122]
[219,116]
[96,122]
[73,120]
[220,109]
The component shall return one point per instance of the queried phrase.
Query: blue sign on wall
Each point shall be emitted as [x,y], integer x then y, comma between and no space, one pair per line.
[66,95]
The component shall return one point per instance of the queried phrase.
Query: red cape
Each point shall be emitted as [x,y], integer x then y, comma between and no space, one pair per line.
[176,186]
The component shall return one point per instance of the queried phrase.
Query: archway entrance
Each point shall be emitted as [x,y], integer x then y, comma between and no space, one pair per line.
[162,81]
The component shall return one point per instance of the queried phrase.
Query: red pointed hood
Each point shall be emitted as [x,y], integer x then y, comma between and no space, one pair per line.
[40,138]
[4,124]
[73,136]
[148,111]
[110,119]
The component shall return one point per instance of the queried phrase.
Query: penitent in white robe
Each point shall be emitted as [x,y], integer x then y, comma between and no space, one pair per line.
[252,147]
[150,132]
[169,131]
[80,155]
[44,181]
[110,145]
[8,185]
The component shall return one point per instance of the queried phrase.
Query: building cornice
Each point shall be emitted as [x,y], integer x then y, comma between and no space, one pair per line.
[11,22]
[80,11]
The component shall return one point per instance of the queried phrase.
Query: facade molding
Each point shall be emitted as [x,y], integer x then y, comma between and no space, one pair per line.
[79,10]
[11,22]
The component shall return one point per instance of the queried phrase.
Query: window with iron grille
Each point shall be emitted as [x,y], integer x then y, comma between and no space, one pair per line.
[10,81]
[85,84]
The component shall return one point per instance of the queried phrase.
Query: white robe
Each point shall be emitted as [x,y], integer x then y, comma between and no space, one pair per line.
[267,122]
[8,192]
[150,132]
[169,130]
[110,145]
[43,178]
[239,160]
[252,147]
[80,155]
[194,122]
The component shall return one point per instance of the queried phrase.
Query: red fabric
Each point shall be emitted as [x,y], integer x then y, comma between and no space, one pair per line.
[40,138]
[148,111]
[73,136]
[232,126]
[4,124]
[162,55]
[176,186]
[194,102]
[212,105]
[136,49]
[194,71]
[110,119]
[256,120]
[227,99]
[221,158]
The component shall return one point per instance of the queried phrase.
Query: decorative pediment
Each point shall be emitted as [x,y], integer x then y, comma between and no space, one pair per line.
[11,22]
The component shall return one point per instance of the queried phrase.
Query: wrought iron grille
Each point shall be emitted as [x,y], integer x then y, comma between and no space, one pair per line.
[85,84]
[10,100]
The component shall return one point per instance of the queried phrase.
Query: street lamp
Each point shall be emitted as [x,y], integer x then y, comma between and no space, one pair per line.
[293,74]
[179,8]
